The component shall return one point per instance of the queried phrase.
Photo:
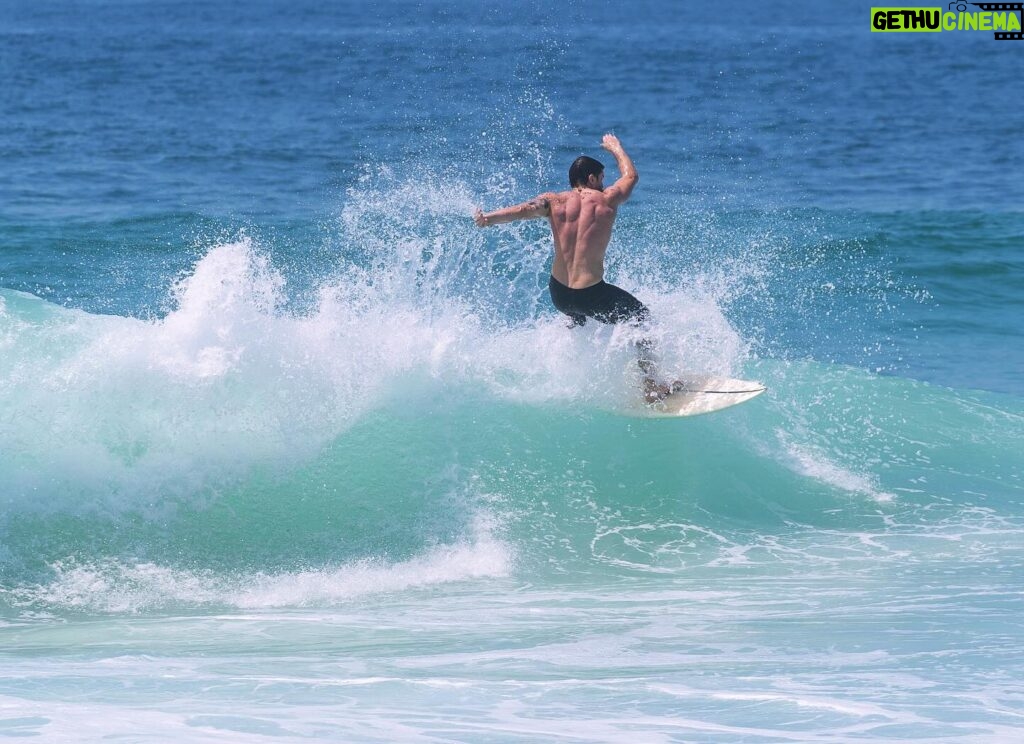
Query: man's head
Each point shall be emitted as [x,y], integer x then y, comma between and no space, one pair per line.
[585,172]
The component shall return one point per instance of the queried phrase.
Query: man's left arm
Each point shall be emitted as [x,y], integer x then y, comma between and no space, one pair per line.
[537,207]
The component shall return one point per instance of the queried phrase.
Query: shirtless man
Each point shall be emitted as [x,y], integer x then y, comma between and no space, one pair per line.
[581,222]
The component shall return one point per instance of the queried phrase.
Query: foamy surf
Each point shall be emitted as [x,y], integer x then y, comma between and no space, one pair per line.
[115,586]
[230,379]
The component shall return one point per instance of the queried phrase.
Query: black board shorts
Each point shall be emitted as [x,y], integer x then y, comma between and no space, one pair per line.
[602,301]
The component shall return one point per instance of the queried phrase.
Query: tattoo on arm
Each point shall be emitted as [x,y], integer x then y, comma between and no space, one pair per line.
[540,204]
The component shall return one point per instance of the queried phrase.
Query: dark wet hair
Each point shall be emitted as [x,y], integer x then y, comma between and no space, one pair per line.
[583,168]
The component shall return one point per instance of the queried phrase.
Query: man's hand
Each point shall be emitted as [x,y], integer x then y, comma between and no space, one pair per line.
[479,219]
[611,143]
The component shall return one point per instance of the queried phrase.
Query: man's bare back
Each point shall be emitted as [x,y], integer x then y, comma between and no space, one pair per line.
[581,225]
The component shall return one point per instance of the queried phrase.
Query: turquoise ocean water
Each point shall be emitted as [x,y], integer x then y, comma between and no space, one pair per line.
[290,450]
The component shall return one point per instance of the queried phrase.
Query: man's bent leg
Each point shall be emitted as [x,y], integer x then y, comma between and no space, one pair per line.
[619,306]
[610,304]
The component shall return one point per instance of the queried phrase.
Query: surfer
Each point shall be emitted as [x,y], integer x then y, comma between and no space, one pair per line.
[581,222]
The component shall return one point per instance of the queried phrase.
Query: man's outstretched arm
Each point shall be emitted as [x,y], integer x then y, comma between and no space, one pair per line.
[619,191]
[538,207]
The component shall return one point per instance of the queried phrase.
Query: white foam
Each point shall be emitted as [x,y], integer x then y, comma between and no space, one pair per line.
[115,413]
[487,558]
[114,586]
[814,463]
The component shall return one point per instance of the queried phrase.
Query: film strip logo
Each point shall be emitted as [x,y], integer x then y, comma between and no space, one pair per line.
[999,7]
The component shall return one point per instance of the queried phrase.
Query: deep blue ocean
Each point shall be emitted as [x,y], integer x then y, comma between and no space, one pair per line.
[291,450]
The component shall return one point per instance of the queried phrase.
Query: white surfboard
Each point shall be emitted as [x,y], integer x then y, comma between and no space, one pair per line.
[697,394]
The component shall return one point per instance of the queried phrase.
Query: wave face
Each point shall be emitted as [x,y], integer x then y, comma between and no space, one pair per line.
[416,418]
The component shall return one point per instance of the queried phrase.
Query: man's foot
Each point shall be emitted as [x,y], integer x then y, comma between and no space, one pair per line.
[654,391]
